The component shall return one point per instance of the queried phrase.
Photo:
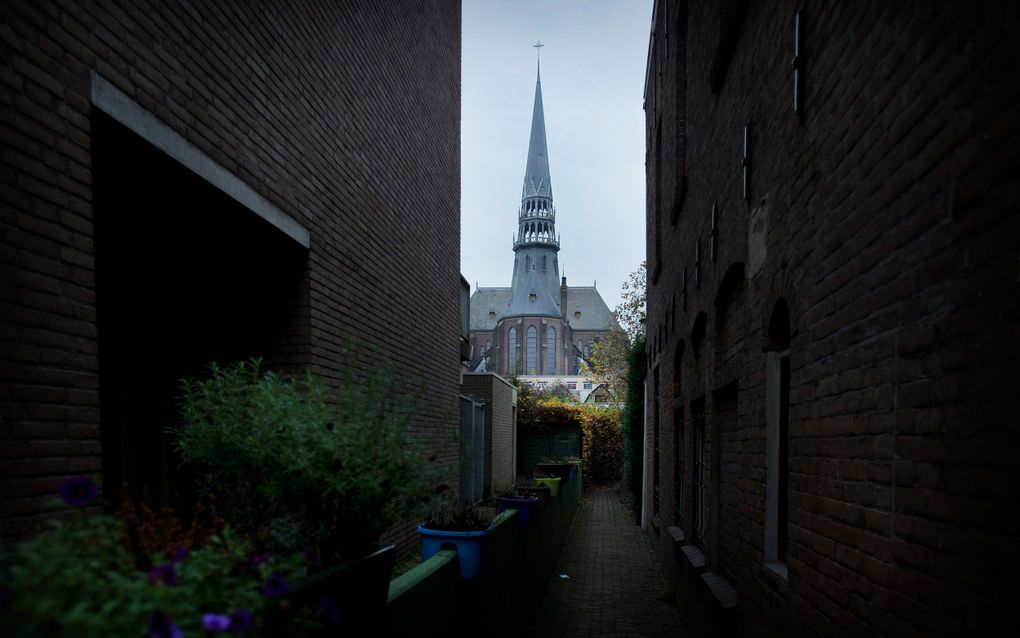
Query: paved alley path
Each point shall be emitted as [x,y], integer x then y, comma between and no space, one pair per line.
[615,586]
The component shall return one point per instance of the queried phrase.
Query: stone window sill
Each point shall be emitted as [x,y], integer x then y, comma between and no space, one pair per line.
[723,592]
[694,556]
[677,534]
[778,571]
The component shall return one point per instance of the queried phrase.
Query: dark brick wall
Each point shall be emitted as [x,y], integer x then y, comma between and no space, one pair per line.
[345,116]
[885,216]
[500,399]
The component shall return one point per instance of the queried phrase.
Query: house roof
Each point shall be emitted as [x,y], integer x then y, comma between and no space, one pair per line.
[595,314]
[485,301]
[586,300]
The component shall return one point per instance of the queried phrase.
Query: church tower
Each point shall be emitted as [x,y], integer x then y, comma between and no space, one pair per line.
[538,327]
[536,279]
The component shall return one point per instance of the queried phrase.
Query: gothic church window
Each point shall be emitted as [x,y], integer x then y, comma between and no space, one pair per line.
[532,351]
[511,351]
[550,351]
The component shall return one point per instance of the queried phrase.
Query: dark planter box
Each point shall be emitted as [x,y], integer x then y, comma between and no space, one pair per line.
[525,506]
[357,589]
[541,491]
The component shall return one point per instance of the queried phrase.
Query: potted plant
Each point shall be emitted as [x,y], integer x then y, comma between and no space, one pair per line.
[575,466]
[465,527]
[91,574]
[300,473]
[531,488]
[509,497]
[546,478]
[557,466]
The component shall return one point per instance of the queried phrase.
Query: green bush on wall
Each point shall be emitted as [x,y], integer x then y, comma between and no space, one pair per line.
[601,439]
[601,444]
[633,418]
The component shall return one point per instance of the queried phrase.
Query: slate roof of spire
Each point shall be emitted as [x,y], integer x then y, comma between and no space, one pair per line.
[537,182]
[531,297]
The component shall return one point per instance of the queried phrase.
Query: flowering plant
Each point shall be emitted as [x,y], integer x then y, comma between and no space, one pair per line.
[81,579]
[297,468]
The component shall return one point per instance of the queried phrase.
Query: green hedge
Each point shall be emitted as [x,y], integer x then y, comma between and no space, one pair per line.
[633,421]
[601,439]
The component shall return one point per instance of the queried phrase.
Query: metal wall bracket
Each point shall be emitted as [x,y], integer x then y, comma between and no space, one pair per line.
[797,62]
[745,164]
[713,233]
[697,263]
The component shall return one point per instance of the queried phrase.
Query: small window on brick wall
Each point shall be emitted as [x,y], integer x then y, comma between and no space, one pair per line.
[698,491]
[655,444]
[680,122]
[777,421]
[678,464]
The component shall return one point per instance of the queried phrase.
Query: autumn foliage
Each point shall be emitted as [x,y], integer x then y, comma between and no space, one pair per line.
[601,437]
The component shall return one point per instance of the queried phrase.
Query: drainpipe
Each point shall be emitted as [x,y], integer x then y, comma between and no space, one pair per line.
[644,463]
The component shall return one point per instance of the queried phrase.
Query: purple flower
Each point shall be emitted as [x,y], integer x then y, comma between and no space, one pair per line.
[275,586]
[79,491]
[163,574]
[329,611]
[215,622]
[241,620]
[160,626]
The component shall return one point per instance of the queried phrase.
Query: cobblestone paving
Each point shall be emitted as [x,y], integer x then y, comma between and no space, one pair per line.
[615,587]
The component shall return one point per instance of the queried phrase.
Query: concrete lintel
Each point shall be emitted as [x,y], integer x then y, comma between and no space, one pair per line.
[122,108]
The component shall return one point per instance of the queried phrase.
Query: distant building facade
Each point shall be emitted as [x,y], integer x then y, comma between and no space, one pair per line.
[538,326]
[212,181]
[833,241]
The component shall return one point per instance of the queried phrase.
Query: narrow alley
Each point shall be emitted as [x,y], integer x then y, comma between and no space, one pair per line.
[614,586]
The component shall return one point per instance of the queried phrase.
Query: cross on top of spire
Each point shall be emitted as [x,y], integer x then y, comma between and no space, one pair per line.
[538,50]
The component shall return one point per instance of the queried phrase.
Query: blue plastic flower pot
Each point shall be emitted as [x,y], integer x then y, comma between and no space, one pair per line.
[525,506]
[470,547]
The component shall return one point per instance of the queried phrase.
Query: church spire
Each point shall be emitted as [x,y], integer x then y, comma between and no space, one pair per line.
[536,279]
[536,218]
[536,176]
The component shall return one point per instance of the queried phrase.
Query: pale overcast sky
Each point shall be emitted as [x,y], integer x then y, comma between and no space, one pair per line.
[593,68]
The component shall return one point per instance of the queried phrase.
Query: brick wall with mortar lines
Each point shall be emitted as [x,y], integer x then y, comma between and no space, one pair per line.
[885,216]
[345,117]
[499,397]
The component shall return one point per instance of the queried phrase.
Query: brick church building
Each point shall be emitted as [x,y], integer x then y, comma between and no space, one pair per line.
[538,326]
[833,241]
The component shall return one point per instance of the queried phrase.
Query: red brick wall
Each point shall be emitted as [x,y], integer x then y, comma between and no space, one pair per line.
[344,116]
[886,217]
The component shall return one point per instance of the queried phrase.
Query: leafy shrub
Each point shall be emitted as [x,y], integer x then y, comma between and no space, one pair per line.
[530,400]
[601,444]
[295,472]
[633,421]
[601,438]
